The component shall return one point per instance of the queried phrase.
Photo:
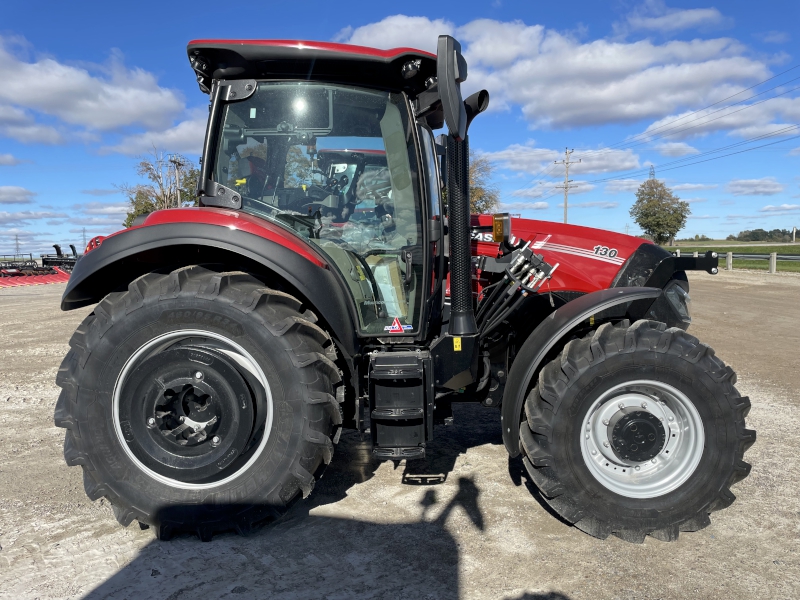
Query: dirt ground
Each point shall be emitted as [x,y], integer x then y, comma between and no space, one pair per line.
[368,532]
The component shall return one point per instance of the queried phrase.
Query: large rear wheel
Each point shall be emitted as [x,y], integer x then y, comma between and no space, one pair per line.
[636,430]
[199,401]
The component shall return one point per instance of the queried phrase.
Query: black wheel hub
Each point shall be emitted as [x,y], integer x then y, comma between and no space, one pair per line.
[636,435]
[188,413]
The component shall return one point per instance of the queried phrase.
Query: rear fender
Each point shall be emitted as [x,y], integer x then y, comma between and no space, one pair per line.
[545,337]
[123,257]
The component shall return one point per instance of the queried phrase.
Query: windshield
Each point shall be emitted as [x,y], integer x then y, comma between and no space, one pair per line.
[338,165]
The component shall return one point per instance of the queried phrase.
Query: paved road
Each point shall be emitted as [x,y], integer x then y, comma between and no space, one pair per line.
[365,533]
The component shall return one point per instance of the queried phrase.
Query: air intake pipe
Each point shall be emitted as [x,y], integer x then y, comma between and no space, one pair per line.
[451,71]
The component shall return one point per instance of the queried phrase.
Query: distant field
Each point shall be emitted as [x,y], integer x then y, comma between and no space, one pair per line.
[722,248]
[731,243]
[759,265]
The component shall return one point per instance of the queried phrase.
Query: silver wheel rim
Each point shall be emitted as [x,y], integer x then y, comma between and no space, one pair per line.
[674,464]
[241,356]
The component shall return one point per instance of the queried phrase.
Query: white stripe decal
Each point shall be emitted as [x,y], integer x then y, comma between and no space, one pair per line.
[543,245]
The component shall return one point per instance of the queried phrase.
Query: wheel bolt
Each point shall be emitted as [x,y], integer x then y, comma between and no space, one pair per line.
[644,404]
[594,452]
[198,375]
[215,440]
[671,418]
[620,406]
[182,419]
[637,467]
[605,421]
[605,444]
[653,461]
[151,422]
[587,436]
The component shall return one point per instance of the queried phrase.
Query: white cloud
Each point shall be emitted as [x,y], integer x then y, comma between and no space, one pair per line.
[17,124]
[703,217]
[774,37]
[781,208]
[24,217]
[9,160]
[561,82]
[398,31]
[520,206]
[795,152]
[616,186]
[530,159]
[186,137]
[98,97]
[694,200]
[766,186]
[654,15]
[604,205]
[675,149]
[13,194]
[694,186]
[105,208]
[100,192]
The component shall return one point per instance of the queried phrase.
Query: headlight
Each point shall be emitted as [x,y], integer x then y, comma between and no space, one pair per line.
[679,300]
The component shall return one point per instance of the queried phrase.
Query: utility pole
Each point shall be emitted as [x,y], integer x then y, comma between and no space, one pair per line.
[84,237]
[626,229]
[566,162]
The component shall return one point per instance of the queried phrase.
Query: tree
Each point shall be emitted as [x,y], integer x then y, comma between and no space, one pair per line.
[659,213]
[483,196]
[172,184]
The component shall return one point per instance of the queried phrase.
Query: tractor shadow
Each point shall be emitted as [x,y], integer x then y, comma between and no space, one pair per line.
[366,553]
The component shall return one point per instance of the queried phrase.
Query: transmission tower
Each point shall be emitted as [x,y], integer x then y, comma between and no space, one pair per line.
[566,162]
[652,172]
[16,240]
[84,237]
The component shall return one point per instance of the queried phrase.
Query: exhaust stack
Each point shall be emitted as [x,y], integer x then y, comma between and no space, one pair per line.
[451,70]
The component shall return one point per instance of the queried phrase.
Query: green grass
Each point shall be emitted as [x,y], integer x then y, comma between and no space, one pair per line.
[785,266]
[722,249]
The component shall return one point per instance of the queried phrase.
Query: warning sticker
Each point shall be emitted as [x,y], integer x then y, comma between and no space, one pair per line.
[397,327]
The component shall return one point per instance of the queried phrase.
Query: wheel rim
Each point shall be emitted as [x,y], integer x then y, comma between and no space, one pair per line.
[642,439]
[192,409]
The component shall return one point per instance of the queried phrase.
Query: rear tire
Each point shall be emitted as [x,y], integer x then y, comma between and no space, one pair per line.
[665,382]
[264,402]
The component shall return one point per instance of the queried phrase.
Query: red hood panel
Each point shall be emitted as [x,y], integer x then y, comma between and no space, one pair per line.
[588,258]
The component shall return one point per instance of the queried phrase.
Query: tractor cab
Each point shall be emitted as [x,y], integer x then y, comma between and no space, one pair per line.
[345,160]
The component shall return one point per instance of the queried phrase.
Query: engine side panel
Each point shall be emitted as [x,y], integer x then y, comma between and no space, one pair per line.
[589,259]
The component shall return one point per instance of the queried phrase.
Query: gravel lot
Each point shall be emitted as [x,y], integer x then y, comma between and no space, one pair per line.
[368,532]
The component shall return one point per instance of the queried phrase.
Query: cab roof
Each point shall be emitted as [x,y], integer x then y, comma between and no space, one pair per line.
[310,61]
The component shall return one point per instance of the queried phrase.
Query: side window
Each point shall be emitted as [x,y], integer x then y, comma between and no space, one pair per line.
[431,170]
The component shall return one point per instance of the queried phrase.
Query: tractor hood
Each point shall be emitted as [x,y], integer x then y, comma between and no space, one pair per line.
[589,259]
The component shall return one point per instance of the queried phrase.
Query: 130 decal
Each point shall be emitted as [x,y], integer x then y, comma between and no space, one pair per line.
[605,251]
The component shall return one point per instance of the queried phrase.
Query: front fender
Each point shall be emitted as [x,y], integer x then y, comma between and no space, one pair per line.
[123,257]
[546,335]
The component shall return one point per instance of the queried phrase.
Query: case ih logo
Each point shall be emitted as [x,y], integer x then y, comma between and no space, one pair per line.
[397,327]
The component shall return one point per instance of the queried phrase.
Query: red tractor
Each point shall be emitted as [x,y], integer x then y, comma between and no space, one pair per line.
[332,277]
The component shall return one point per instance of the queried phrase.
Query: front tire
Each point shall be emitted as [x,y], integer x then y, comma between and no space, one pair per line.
[199,401]
[636,430]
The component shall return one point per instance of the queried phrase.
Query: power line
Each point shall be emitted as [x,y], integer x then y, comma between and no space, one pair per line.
[647,141]
[699,110]
[696,162]
[566,162]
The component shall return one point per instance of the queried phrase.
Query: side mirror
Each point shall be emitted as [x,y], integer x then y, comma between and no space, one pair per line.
[451,70]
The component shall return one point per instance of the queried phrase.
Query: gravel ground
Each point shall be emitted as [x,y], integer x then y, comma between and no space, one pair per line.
[367,531]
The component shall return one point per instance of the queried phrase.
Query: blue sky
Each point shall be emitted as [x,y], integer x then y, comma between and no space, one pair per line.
[88,86]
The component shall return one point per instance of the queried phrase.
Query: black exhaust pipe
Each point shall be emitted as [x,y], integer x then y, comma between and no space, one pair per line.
[451,70]
[462,315]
